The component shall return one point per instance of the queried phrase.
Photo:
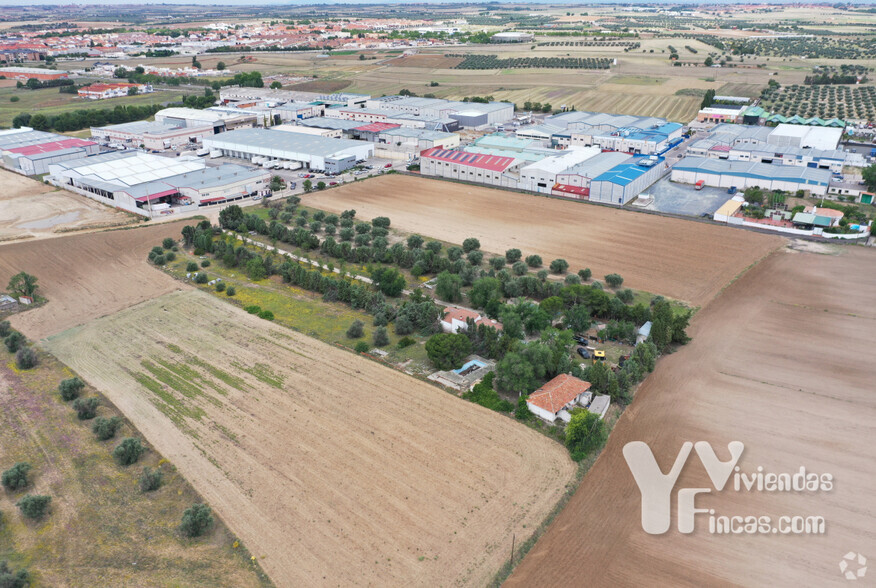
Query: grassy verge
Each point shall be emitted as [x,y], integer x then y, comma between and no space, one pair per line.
[100,530]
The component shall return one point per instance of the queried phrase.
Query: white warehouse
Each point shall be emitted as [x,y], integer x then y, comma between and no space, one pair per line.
[314,151]
[743,174]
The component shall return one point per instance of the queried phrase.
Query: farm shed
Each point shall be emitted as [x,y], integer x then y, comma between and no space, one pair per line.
[7,303]
[743,174]
[277,145]
[557,397]
[624,182]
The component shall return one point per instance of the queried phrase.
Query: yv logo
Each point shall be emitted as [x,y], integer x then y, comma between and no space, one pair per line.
[656,487]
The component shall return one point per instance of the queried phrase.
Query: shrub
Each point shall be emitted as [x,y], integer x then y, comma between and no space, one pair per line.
[381,221]
[201,278]
[105,429]
[191,267]
[254,309]
[454,253]
[626,295]
[584,433]
[8,578]
[220,286]
[318,215]
[230,291]
[26,358]
[585,274]
[356,329]
[15,478]
[614,280]
[150,480]
[361,347]
[70,388]
[533,261]
[196,520]
[128,451]
[497,263]
[559,266]
[470,244]
[414,242]
[403,326]
[167,243]
[380,337]
[267,315]
[5,329]
[159,260]
[513,255]
[572,279]
[34,506]
[205,263]
[14,341]
[475,257]
[170,256]
[405,342]
[86,408]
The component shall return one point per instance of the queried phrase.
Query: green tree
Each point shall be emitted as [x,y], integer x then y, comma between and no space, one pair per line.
[14,341]
[255,269]
[869,174]
[150,480]
[448,287]
[584,433]
[533,260]
[15,478]
[380,338]
[559,266]
[585,274]
[389,281]
[356,329]
[196,520]
[521,411]
[320,185]
[514,373]
[34,506]
[276,85]
[230,217]
[105,429]
[614,280]
[86,408]
[470,244]
[513,255]
[26,358]
[307,185]
[414,242]
[447,351]
[577,318]
[484,290]
[128,451]
[220,66]
[23,284]
[5,329]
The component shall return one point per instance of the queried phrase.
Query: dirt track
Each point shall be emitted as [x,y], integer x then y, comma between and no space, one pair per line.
[31,209]
[781,361]
[333,468]
[686,260]
[87,276]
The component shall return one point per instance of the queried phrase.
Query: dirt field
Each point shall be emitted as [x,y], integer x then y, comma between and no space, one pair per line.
[334,469]
[780,361]
[685,260]
[87,276]
[30,209]
[101,531]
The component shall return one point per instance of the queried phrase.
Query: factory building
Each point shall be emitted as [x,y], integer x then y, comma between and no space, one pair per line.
[31,152]
[541,176]
[276,97]
[153,186]
[575,181]
[220,120]
[743,174]
[452,164]
[313,151]
[615,132]
[467,114]
[627,180]
[151,135]
[512,37]
[290,128]
[35,73]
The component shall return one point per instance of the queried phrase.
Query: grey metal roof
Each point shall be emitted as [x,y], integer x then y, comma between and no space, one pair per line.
[756,170]
[144,127]
[598,164]
[25,136]
[322,122]
[292,142]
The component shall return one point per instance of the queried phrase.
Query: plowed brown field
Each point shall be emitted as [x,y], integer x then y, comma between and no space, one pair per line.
[685,260]
[333,469]
[87,276]
[781,361]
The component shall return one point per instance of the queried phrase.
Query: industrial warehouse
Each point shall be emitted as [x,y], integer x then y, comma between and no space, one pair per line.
[743,174]
[312,151]
[30,152]
[152,185]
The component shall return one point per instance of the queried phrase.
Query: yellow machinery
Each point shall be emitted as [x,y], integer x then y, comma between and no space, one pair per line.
[598,355]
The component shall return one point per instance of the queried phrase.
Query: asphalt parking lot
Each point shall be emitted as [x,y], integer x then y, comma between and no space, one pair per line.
[685,199]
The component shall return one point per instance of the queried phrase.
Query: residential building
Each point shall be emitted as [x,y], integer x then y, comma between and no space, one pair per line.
[456,319]
[556,398]
[104,91]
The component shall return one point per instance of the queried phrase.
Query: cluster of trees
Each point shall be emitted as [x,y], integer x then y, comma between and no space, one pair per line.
[479,61]
[138,75]
[826,79]
[84,118]
[825,101]
[821,47]
[592,43]
[35,84]
[10,578]
[537,106]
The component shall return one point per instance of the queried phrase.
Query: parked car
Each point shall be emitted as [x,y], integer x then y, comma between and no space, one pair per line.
[388,165]
[581,339]
[333,183]
[583,353]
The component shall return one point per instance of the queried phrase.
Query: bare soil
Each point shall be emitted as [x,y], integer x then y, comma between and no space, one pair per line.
[782,361]
[31,209]
[87,276]
[333,469]
[686,260]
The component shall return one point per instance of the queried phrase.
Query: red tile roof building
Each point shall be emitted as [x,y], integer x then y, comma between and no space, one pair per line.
[456,319]
[562,392]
